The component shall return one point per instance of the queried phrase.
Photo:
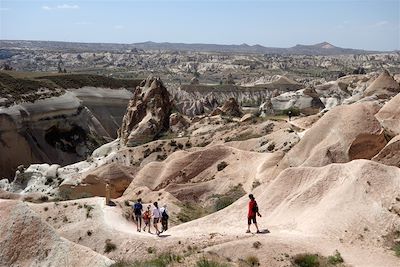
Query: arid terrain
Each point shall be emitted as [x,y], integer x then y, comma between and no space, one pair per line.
[198,129]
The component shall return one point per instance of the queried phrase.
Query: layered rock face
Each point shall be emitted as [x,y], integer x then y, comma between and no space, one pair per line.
[53,130]
[107,105]
[147,113]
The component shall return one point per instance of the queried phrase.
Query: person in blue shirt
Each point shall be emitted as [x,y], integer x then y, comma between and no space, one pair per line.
[137,213]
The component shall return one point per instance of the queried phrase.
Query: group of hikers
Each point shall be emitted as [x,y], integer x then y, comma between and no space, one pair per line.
[161,215]
[158,215]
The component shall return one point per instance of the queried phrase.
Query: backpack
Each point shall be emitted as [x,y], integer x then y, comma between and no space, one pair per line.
[137,208]
[164,215]
[255,207]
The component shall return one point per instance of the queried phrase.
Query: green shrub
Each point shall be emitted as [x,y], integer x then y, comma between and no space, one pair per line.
[88,208]
[306,260]
[191,211]
[335,259]
[396,249]
[257,244]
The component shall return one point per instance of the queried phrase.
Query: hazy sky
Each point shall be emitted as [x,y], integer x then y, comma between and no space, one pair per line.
[372,24]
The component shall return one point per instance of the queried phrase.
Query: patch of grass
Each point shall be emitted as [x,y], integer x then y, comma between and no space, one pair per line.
[203,262]
[191,211]
[396,249]
[243,137]
[126,202]
[229,197]
[222,165]
[162,260]
[109,246]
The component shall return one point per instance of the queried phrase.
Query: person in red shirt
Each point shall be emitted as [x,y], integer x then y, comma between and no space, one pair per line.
[253,212]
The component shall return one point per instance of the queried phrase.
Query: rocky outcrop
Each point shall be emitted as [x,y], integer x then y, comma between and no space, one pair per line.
[306,101]
[178,123]
[52,130]
[230,108]
[389,116]
[390,154]
[383,87]
[147,114]
[93,183]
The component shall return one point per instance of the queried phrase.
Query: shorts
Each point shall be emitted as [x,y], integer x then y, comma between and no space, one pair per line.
[138,217]
[252,218]
[156,220]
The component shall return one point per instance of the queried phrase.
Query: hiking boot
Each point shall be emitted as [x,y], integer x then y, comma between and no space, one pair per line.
[258,232]
[248,232]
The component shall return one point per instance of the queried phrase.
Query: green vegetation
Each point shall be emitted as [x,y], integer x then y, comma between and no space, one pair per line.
[315,260]
[396,249]
[162,260]
[306,260]
[336,258]
[209,263]
[257,244]
[191,211]
[229,197]
[295,111]
[243,137]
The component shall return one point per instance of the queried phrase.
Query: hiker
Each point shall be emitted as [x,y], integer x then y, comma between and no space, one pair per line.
[253,212]
[137,212]
[156,217]
[147,218]
[164,218]
[289,114]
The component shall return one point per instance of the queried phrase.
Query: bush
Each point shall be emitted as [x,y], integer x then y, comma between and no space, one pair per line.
[109,246]
[335,259]
[151,250]
[222,165]
[306,260]
[191,211]
[295,111]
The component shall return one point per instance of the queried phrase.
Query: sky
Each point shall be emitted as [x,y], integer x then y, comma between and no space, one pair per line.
[362,24]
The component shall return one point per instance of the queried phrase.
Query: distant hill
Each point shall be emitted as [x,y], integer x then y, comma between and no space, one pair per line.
[324,48]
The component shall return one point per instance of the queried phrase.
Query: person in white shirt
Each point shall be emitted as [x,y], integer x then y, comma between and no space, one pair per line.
[164,218]
[156,217]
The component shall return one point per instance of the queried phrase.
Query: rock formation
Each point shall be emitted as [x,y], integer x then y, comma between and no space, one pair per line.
[389,116]
[343,134]
[147,114]
[230,108]
[383,87]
